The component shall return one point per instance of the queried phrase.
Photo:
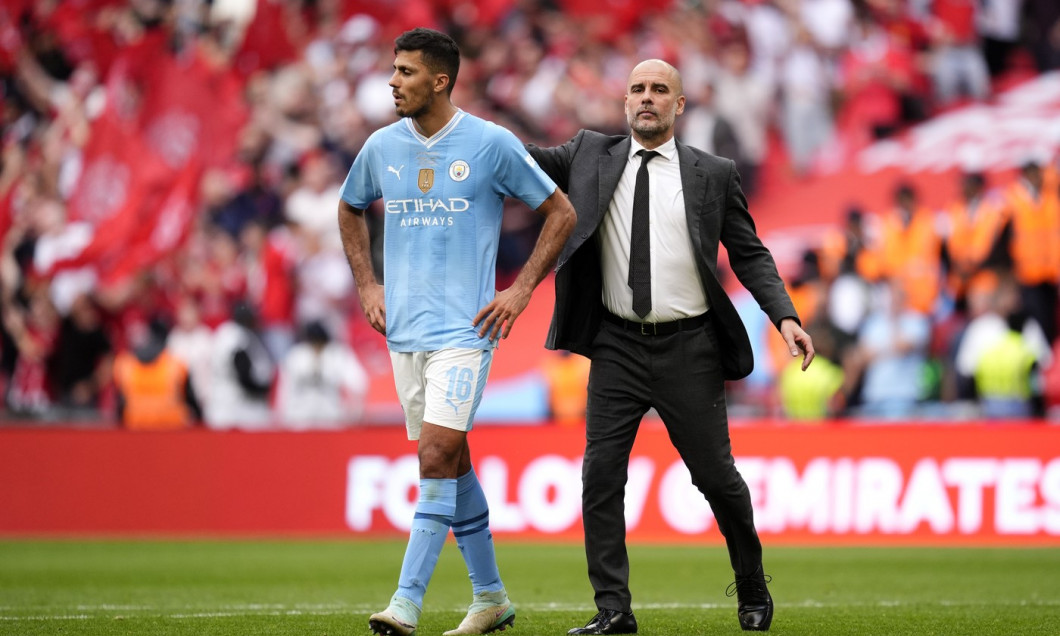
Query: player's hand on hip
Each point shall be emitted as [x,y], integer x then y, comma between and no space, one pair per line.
[373,304]
[499,315]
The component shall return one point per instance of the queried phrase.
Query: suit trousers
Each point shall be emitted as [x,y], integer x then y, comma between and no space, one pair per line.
[680,376]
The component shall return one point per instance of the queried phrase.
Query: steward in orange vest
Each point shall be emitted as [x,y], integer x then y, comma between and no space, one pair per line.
[974,238]
[909,251]
[842,249]
[153,387]
[1034,208]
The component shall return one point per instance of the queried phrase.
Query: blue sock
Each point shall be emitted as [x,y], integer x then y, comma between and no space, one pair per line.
[430,527]
[473,536]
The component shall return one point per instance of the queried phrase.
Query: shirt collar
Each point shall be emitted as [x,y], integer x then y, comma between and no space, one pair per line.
[667,150]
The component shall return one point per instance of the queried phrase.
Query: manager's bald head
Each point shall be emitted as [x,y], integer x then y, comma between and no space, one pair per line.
[654,99]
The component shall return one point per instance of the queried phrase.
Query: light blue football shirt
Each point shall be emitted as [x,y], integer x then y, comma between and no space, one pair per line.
[443,198]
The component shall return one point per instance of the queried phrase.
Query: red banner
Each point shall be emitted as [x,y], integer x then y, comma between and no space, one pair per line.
[167,120]
[835,483]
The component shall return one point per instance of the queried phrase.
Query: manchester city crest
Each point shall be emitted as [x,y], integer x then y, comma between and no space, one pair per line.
[459,170]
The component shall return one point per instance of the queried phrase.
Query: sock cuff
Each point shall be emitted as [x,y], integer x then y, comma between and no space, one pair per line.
[437,497]
[467,481]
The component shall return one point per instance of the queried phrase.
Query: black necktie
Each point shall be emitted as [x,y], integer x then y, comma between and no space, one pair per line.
[640,240]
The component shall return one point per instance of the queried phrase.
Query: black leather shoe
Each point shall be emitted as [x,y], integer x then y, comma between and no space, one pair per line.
[609,622]
[754,605]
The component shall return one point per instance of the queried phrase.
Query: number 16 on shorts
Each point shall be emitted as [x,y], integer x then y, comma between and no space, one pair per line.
[441,387]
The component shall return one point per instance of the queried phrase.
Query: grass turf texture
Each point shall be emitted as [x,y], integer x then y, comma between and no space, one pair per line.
[316,588]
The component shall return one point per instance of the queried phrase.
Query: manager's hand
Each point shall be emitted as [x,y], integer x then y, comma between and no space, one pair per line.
[797,340]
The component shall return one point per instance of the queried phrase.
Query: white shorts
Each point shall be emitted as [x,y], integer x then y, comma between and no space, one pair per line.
[442,387]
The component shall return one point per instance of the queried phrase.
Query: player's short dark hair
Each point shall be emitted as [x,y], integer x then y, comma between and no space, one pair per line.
[440,52]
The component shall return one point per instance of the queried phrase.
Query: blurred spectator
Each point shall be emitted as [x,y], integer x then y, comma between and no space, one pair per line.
[325,289]
[1001,353]
[80,365]
[519,230]
[241,375]
[998,23]
[908,251]
[829,22]
[890,357]
[191,342]
[214,275]
[1034,208]
[809,295]
[973,235]
[813,394]
[844,248]
[744,99]
[875,71]
[806,101]
[154,390]
[34,329]
[701,125]
[958,65]
[271,258]
[567,377]
[312,204]
[848,303]
[257,202]
[1051,385]
[321,383]
[1043,32]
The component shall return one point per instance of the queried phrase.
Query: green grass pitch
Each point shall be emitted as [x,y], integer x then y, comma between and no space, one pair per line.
[318,588]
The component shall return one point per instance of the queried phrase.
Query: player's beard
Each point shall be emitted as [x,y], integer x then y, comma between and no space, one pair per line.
[404,110]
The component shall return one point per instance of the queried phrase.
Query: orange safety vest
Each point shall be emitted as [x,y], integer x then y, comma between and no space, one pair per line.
[833,251]
[568,378]
[153,392]
[909,254]
[1035,245]
[971,239]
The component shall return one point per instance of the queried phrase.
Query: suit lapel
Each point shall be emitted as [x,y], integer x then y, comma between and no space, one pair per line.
[611,166]
[694,184]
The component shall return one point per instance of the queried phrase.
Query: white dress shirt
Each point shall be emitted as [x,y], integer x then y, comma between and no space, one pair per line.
[676,289]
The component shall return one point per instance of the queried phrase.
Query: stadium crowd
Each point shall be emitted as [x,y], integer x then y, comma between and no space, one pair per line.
[170,176]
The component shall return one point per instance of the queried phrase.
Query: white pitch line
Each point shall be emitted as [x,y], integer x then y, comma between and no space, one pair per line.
[333,609]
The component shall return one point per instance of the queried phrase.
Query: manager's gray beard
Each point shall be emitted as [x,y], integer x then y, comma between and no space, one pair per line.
[654,130]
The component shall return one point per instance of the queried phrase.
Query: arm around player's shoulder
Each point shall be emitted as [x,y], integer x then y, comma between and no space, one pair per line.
[559,162]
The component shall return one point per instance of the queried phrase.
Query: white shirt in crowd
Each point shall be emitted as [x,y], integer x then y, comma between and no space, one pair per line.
[321,388]
[228,404]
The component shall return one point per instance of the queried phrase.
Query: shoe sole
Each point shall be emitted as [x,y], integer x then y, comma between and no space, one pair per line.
[382,627]
[509,621]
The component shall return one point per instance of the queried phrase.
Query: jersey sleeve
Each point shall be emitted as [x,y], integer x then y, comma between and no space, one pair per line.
[361,186]
[518,175]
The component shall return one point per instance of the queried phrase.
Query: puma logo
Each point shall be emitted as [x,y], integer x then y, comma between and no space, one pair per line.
[396,171]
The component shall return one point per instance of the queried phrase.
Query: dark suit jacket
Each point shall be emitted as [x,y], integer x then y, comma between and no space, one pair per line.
[588,168]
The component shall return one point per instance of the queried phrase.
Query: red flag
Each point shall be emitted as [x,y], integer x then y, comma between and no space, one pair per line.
[167,119]
[119,175]
[166,224]
[192,110]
